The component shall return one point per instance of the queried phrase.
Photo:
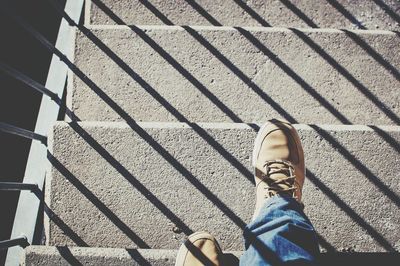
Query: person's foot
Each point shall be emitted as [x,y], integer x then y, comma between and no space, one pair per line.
[278,161]
[200,248]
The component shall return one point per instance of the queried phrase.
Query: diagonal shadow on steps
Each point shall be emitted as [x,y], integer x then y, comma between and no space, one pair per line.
[66,62]
[388,10]
[152,9]
[185,73]
[325,244]
[71,258]
[64,227]
[247,80]
[136,256]
[299,13]
[265,251]
[252,13]
[199,9]
[340,203]
[241,75]
[358,165]
[203,13]
[312,91]
[350,212]
[67,255]
[339,7]
[153,92]
[151,141]
[345,73]
[103,208]
[386,137]
[307,87]
[164,54]
[374,54]
[189,76]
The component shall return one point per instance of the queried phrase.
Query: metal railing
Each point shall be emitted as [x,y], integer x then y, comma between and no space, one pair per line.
[31,188]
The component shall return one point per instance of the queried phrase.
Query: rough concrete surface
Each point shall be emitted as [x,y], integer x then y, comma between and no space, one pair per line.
[221,74]
[60,256]
[149,185]
[353,14]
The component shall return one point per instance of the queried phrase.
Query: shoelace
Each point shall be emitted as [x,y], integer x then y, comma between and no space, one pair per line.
[289,181]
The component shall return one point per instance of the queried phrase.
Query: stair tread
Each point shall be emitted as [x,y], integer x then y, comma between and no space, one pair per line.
[56,256]
[217,74]
[322,14]
[123,191]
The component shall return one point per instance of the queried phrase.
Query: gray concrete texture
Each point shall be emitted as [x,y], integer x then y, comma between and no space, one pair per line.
[221,74]
[60,256]
[65,256]
[149,185]
[351,14]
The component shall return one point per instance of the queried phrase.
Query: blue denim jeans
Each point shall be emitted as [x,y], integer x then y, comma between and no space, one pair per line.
[280,235]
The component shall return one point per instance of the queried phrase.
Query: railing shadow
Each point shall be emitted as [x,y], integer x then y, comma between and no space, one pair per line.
[358,165]
[299,80]
[350,212]
[153,10]
[374,54]
[387,138]
[137,257]
[153,92]
[299,13]
[345,73]
[240,74]
[213,21]
[104,209]
[252,13]
[346,13]
[64,227]
[171,159]
[66,254]
[388,10]
[164,153]
[164,54]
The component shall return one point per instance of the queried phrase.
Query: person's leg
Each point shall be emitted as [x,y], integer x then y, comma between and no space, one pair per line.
[280,232]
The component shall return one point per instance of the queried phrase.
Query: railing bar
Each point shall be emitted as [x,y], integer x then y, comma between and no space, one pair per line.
[19,241]
[28,81]
[28,204]
[18,186]
[22,132]
[6,11]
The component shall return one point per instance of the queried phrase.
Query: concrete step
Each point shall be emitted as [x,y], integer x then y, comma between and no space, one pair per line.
[60,256]
[362,14]
[222,74]
[149,185]
[57,256]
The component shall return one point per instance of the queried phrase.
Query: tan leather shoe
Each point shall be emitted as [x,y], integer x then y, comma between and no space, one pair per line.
[278,161]
[200,248]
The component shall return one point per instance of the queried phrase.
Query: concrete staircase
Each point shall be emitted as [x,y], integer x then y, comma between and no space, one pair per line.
[164,117]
